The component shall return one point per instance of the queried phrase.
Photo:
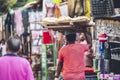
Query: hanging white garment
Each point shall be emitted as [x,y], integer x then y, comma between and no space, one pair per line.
[18,22]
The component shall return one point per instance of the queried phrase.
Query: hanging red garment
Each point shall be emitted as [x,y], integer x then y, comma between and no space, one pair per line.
[47,39]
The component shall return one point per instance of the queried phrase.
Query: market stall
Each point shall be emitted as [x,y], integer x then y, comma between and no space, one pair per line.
[110,27]
[63,25]
[42,28]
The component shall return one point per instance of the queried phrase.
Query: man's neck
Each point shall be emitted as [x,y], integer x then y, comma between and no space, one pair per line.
[9,52]
[70,43]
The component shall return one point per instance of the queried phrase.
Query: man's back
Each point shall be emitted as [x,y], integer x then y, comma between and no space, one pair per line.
[73,57]
[15,68]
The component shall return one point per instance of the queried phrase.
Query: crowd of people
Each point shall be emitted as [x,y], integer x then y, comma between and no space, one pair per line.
[73,57]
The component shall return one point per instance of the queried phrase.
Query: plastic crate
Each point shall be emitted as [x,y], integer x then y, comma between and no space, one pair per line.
[102,8]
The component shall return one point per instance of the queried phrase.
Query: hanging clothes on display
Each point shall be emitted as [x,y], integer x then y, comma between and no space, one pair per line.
[32,16]
[79,8]
[76,7]
[9,25]
[44,7]
[18,22]
[12,25]
[25,19]
[35,16]
[26,34]
[57,11]
[47,38]
[50,9]
[57,1]
[87,8]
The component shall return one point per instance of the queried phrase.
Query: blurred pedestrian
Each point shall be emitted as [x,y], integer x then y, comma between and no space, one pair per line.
[71,60]
[13,67]
[3,47]
[88,55]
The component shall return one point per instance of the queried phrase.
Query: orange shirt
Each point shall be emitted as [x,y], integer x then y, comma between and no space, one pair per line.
[72,57]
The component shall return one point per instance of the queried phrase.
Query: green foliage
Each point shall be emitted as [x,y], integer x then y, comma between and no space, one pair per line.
[21,3]
[5,5]
[12,2]
[30,1]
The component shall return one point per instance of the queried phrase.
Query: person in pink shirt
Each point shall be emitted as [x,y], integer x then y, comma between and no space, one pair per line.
[71,60]
[13,67]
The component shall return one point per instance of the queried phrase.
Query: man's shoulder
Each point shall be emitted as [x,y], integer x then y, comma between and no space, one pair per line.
[23,59]
[10,58]
[63,47]
[82,45]
[1,58]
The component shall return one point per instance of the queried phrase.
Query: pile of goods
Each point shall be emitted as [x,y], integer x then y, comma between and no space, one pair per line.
[65,19]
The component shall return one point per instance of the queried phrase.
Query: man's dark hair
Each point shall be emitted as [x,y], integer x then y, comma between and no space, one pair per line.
[71,38]
[13,44]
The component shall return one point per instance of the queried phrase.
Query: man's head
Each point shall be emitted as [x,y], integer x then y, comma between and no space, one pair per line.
[13,44]
[71,38]
[82,37]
